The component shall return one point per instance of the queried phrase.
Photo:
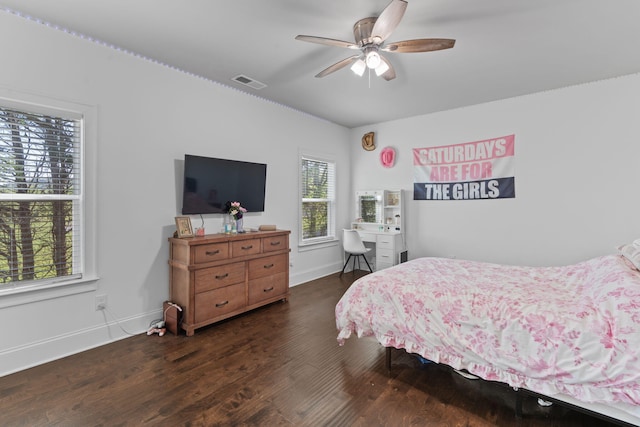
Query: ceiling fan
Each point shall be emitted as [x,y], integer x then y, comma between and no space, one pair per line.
[370,35]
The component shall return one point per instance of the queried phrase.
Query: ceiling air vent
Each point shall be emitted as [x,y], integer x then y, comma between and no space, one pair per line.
[242,79]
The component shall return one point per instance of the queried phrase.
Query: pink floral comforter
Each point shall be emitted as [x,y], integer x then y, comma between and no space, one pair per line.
[573,330]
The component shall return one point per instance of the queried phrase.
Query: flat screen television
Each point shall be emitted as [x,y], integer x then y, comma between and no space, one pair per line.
[209,183]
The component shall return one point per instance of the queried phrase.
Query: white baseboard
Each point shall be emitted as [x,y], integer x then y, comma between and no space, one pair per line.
[37,353]
[299,278]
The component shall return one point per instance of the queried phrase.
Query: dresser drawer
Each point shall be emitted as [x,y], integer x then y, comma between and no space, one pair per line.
[385,242]
[276,243]
[218,302]
[211,252]
[217,277]
[245,247]
[267,287]
[384,256]
[267,266]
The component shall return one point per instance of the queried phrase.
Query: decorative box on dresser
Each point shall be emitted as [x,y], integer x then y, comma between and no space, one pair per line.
[218,276]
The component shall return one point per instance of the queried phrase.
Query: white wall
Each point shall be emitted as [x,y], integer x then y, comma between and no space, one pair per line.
[577,163]
[148,117]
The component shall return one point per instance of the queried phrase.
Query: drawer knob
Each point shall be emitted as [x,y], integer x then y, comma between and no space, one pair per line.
[275,243]
[268,265]
[222,276]
[268,289]
[216,252]
[222,304]
[244,248]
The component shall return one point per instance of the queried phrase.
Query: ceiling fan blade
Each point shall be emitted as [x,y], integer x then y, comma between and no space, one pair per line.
[338,65]
[419,45]
[326,41]
[388,20]
[390,74]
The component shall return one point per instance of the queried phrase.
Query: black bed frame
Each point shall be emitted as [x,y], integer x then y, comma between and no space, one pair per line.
[520,394]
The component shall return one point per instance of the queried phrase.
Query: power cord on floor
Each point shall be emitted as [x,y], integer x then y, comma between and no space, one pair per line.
[105,309]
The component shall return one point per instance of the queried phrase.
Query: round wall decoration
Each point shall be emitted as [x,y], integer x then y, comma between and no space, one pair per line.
[388,157]
[368,142]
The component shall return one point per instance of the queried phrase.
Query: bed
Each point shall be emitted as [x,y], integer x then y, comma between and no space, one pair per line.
[570,333]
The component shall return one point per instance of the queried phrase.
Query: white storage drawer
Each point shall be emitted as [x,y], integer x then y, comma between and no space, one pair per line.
[385,242]
[384,256]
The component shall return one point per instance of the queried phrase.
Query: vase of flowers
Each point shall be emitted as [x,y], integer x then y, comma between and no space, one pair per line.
[236,211]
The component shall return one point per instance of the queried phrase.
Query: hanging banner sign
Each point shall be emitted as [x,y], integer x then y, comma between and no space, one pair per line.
[468,171]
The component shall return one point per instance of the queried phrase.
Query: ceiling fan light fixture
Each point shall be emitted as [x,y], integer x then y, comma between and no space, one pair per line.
[382,68]
[358,67]
[372,59]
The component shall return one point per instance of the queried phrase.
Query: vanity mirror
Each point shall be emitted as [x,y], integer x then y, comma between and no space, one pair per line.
[369,206]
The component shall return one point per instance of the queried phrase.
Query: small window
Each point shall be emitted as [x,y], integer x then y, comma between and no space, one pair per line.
[317,208]
[41,198]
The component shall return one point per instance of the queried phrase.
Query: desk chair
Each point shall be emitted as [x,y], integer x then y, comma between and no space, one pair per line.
[355,248]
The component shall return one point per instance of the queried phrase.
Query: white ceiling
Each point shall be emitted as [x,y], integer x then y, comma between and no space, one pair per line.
[504,48]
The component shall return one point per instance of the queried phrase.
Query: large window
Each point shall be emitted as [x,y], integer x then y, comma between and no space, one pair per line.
[40,196]
[317,213]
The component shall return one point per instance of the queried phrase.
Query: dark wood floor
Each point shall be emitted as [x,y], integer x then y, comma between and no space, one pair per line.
[277,366]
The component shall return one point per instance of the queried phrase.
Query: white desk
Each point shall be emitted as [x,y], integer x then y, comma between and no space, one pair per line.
[388,246]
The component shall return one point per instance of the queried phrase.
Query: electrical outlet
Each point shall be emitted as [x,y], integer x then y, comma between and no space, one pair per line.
[101,302]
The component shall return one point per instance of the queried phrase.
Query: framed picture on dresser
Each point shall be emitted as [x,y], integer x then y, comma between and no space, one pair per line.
[183,226]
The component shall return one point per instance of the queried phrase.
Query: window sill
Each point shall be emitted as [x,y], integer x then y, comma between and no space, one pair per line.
[20,295]
[304,247]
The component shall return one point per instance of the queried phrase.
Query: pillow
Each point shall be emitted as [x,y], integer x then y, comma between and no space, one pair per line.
[632,253]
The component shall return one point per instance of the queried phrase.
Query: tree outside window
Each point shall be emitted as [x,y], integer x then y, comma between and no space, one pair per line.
[40,196]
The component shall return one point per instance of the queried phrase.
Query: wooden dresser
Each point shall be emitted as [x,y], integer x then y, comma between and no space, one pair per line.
[217,276]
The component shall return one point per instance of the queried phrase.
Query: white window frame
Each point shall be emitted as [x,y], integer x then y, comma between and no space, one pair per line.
[23,293]
[331,238]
